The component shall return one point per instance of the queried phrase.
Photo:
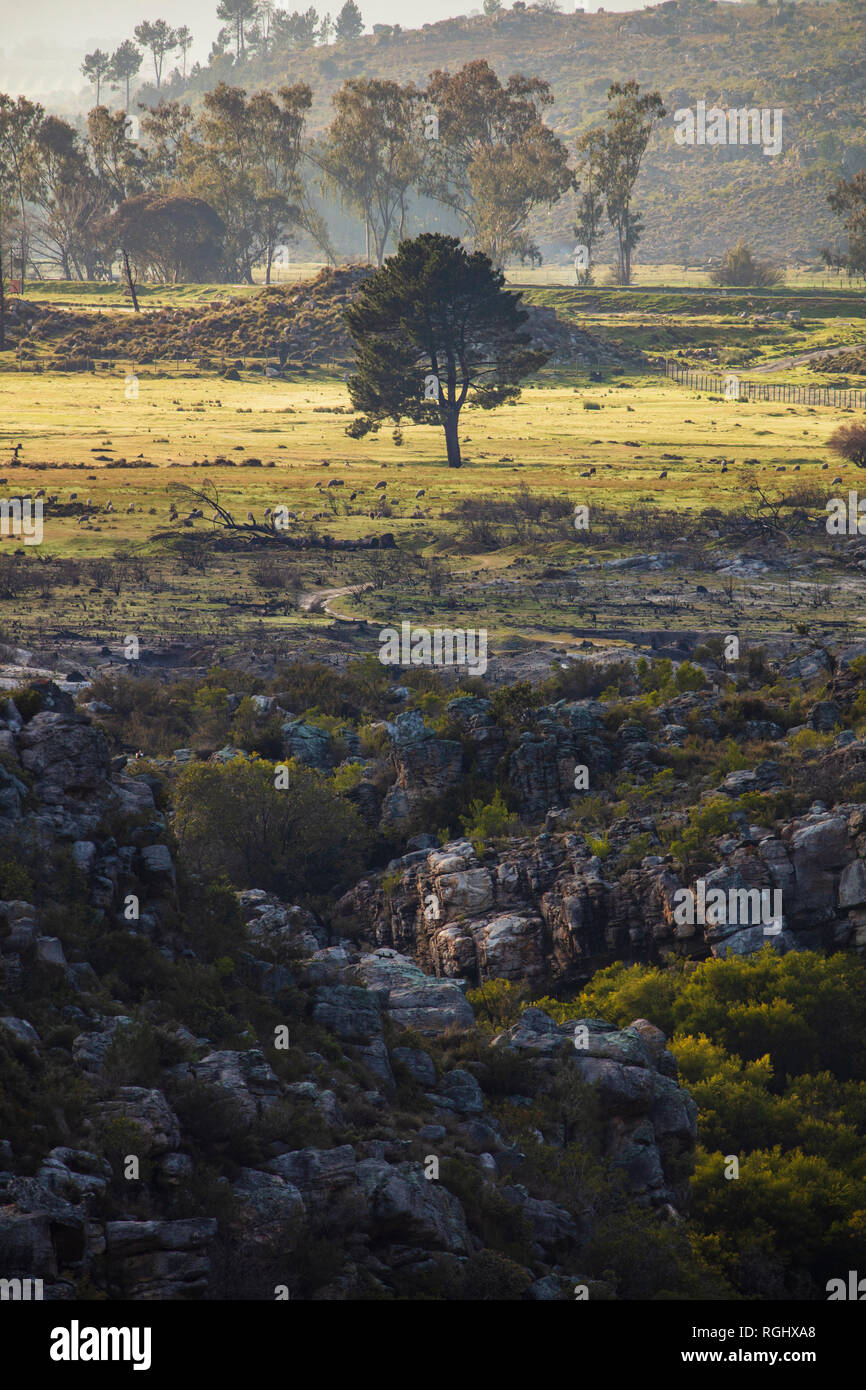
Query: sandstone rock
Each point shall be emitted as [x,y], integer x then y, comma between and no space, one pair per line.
[74,1174]
[49,950]
[427,767]
[23,1031]
[414,1000]
[308,743]
[460,1091]
[418,1063]
[351,1013]
[273,1198]
[89,1049]
[650,1121]
[150,1111]
[316,1173]
[246,1077]
[555,1229]
[852,884]
[158,868]
[65,754]
[159,1259]
[272,923]
[418,1211]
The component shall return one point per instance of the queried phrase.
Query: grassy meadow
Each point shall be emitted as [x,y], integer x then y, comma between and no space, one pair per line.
[646,456]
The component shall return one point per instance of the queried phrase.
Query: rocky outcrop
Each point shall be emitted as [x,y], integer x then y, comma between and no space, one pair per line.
[650,1123]
[548,908]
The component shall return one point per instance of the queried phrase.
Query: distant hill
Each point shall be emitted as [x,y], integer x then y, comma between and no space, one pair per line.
[806,59]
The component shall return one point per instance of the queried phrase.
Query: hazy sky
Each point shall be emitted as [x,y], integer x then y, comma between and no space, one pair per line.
[43,42]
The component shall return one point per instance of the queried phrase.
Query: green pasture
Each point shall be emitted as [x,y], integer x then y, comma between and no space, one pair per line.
[267,443]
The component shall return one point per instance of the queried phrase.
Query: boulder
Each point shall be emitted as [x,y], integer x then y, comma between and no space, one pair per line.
[412,1209]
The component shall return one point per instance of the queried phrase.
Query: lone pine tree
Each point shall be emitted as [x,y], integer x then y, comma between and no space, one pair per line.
[432,329]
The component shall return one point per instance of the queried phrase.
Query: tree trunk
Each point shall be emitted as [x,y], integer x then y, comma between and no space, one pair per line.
[452,442]
[2,299]
[130,282]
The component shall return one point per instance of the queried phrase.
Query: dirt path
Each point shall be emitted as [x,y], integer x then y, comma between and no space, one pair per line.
[319,600]
[783,363]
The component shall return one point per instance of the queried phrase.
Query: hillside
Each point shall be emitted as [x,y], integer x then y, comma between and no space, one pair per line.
[804,59]
[311,314]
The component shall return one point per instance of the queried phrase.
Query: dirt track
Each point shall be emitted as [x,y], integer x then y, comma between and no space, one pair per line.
[319,600]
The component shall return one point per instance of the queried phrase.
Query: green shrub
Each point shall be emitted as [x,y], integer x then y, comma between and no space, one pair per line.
[488,822]
[488,1275]
[16,882]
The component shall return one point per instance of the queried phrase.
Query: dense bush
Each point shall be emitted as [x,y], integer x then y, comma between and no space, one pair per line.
[296,840]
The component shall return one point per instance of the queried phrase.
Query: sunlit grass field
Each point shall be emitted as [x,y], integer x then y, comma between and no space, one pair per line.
[266,443]
[630,446]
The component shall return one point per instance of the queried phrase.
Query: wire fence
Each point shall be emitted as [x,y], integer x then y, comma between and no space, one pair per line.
[736,388]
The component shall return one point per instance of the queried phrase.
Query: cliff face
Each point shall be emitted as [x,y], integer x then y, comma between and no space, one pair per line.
[548,907]
[215,1130]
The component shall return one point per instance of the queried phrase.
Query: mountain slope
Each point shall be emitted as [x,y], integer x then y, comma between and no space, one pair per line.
[805,60]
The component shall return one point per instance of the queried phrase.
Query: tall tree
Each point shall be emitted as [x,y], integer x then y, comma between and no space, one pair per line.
[371,155]
[170,133]
[69,199]
[224,174]
[125,63]
[237,14]
[118,161]
[184,39]
[276,128]
[349,23]
[160,39]
[433,328]
[297,30]
[260,34]
[848,201]
[95,67]
[494,160]
[631,119]
[20,121]
[590,205]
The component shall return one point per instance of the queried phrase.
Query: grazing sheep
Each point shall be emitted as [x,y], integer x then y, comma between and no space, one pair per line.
[835,481]
[420,493]
[663,474]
